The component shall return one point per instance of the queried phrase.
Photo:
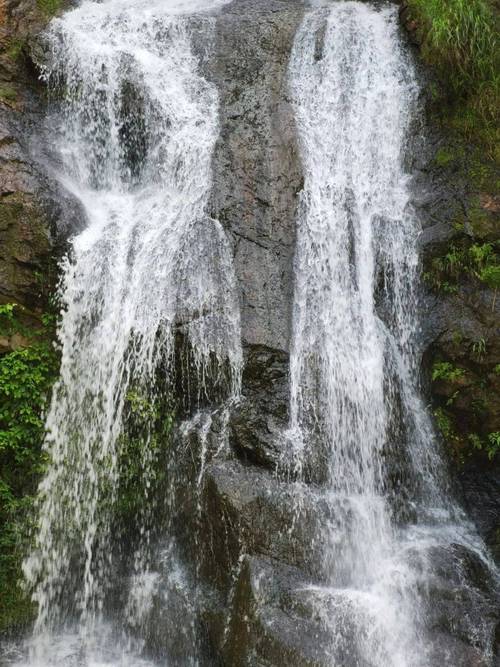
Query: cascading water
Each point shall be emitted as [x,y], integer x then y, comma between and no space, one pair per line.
[355,408]
[136,124]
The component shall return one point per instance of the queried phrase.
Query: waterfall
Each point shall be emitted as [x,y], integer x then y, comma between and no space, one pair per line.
[134,124]
[357,419]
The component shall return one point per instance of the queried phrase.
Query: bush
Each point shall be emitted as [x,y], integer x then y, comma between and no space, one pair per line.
[443,370]
[26,378]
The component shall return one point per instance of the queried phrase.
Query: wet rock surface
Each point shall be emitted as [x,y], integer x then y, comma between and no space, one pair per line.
[252,512]
[264,628]
[257,172]
[36,215]
[258,422]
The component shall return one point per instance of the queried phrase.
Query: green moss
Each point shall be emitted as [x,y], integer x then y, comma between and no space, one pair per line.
[15,48]
[480,173]
[444,157]
[145,439]
[49,7]
[8,93]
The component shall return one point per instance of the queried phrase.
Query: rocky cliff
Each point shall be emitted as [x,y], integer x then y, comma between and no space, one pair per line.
[256,570]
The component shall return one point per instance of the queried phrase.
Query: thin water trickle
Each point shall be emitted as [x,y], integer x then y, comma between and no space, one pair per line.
[135,124]
[354,362]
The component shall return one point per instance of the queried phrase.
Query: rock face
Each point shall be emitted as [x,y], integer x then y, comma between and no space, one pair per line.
[35,214]
[257,175]
[257,171]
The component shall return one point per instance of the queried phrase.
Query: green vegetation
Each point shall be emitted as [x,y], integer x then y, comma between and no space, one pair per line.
[7,93]
[461,449]
[490,446]
[444,157]
[460,40]
[479,348]
[493,447]
[49,7]
[27,374]
[478,261]
[148,422]
[466,400]
[443,370]
[26,377]
[15,48]
[444,424]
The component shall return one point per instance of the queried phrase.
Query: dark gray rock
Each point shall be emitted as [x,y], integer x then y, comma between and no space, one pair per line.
[262,630]
[258,421]
[250,511]
[257,171]
[482,500]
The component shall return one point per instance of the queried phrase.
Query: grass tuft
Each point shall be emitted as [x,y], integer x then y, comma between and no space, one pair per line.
[460,39]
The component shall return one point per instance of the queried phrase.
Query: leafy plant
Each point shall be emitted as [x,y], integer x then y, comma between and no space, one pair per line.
[444,424]
[479,261]
[452,398]
[26,378]
[475,441]
[444,370]
[493,447]
[479,348]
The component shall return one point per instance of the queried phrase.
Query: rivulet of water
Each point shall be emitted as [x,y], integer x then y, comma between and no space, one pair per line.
[135,124]
[355,406]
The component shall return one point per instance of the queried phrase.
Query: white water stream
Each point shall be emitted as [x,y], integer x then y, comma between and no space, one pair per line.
[135,124]
[355,406]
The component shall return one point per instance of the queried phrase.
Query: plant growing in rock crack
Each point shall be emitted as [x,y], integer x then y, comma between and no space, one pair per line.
[478,261]
[479,348]
[444,370]
[493,447]
[444,424]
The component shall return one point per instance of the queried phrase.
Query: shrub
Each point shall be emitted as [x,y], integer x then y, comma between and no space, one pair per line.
[443,370]
[26,378]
